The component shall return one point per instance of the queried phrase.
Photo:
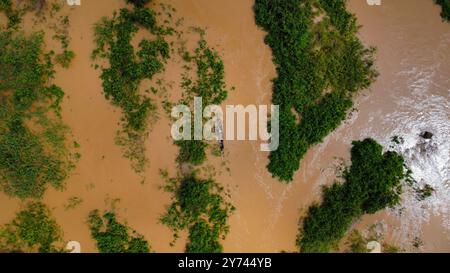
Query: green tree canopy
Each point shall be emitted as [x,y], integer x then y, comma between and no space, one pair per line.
[372,183]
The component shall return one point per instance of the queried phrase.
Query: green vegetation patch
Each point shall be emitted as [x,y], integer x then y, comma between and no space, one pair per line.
[445,12]
[320,63]
[372,183]
[209,84]
[114,237]
[198,206]
[15,10]
[191,151]
[62,35]
[32,230]
[33,153]
[127,69]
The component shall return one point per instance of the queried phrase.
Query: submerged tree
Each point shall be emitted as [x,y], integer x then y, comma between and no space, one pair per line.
[371,183]
[199,207]
[321,65]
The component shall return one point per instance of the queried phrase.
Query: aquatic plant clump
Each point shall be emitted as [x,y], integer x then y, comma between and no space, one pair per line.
[33,153]
[127,69]
[198,206]
[114,237]
[371,183]
[445,12]
[320,63]
[209,85]
[32,230]
[14,10]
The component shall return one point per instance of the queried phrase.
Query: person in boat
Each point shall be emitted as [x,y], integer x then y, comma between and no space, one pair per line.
[222,146]
[219,132]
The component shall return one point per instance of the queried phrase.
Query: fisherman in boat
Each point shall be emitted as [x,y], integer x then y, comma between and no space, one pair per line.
[222,146]
[219,134]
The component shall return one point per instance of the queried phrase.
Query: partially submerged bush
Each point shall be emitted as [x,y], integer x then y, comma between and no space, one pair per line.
[445,12]
[321,64]
[198,206]
[127,69]
[209,85]
[32,230]
[114,237]
[371,183]
[203,239]
[191,151]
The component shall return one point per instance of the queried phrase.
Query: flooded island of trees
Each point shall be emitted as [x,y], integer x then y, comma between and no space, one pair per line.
[86,153]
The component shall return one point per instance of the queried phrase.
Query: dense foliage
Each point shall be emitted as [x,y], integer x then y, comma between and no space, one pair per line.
[138,3]
[191,151]
[32,230]
[33,154]
[445,4]
[372,183]
[198,206]
[113,236]
[127,69]
[209,85]
[320,64]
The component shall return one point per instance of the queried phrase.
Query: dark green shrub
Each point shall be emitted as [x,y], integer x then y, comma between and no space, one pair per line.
[191,151]
[198,206]
[203,239]
[320,66]
[372,183]
[445,4]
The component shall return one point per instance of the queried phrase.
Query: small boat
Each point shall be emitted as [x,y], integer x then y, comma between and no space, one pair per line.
[219,134]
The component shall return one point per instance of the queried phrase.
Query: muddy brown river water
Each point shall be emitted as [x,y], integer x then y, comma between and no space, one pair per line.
[410,96]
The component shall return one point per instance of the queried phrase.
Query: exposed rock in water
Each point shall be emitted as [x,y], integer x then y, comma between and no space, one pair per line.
[426,135]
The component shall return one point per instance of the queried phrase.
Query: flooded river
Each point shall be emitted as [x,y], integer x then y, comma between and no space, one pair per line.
[410,96]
